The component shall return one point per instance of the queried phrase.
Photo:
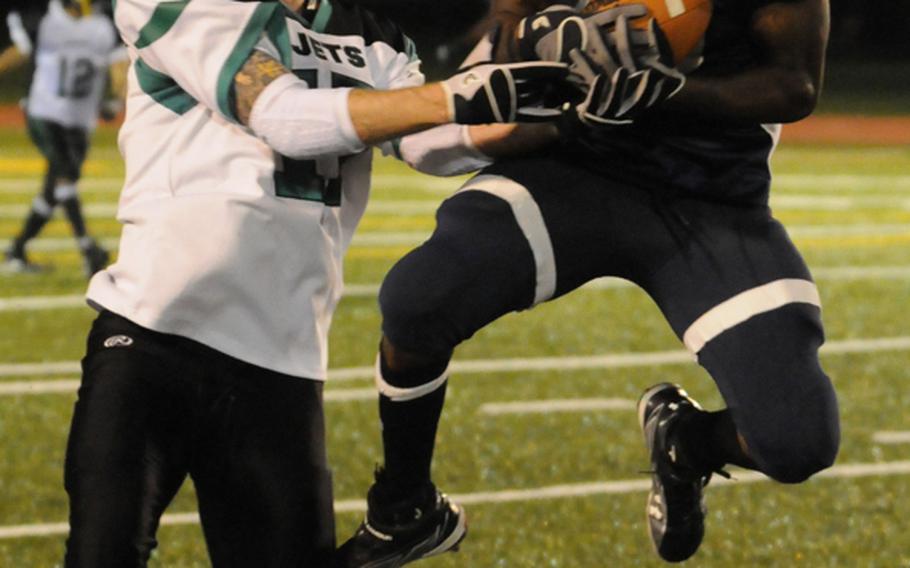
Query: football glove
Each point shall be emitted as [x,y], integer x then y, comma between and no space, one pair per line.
[649,47]
[551,34]
[610,27]
[623,95]
[514,92]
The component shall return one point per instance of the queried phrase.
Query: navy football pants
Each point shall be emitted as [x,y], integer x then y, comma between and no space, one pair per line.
[727,277]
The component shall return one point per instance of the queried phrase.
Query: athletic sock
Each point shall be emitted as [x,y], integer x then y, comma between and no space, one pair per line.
[85,243]
[409,428]
[707,441]
[73,210]
[34,222]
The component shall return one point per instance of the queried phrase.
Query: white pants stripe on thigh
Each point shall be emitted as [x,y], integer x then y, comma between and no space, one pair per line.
[531,222]
[746,305]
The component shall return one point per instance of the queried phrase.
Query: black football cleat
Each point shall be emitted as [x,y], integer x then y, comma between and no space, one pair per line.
[676,508]
[94,259]
[397,533]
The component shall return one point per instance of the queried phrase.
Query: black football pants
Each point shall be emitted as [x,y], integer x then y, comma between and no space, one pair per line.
[154,408]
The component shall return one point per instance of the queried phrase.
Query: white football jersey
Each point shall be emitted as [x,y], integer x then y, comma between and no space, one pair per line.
[72,56]
[224,241]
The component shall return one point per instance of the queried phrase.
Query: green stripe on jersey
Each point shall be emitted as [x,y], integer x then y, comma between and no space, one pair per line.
[262,19]
[277,32]
[323,14]
[163,90]
[411,49]
[163,19]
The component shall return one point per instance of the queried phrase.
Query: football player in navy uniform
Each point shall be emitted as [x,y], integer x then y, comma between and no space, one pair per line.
[663,180]
[72,49]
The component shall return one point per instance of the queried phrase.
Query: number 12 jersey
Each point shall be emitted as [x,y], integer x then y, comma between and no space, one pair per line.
[72,56]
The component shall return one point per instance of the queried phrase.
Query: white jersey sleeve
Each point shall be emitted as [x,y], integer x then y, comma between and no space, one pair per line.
[18,34]
[200,46]
[402,70]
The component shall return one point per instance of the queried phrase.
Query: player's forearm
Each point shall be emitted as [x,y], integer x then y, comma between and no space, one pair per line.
[785,86]
[504,140]
[377,116]
[761,95]
[455,149]
[382,115]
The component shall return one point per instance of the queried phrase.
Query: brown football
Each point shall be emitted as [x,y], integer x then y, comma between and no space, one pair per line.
[683,22]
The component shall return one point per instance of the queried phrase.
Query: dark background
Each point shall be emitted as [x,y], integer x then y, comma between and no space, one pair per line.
[869,53]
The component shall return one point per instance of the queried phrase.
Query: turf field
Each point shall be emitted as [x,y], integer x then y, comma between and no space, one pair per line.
[550,484]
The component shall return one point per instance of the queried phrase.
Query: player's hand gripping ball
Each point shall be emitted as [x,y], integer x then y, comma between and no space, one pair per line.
[681,25]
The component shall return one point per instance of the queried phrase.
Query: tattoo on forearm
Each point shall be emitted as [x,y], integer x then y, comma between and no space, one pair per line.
[255,75]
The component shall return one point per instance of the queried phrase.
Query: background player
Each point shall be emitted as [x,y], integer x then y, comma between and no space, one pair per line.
[673,196]
[247,149]
[72,49]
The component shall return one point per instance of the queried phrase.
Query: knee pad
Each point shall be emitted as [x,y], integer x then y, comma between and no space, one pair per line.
[64,192]
[476,267]
[806,438]
[417,296]
[410,392]
[42,207]
[783,403]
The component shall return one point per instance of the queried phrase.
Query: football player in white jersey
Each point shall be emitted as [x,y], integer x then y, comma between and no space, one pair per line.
[72,49]
[247,146]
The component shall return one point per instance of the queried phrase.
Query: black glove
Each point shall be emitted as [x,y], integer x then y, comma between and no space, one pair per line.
[513,92]
[622,96]
[551,34]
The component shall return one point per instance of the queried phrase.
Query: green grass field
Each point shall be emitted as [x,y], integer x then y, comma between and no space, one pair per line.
[848,209]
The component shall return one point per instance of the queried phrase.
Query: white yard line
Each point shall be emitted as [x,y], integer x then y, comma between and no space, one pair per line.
[69,386]
[836,273]
[41,303]
[847,230]
[779,202]
[828,183]
[411,182]
[63,386]
[891,438]
[556,405]
[481,366]
[862,273]
[566,491]
[825,182]
[349,395]
[30,186]
[37,369]
[89,210]
[96,210]
[414,238]
[66,244]
[837,203]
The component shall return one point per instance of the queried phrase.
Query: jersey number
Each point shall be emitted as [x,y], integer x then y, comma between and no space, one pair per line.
[76,78]
[311,180]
